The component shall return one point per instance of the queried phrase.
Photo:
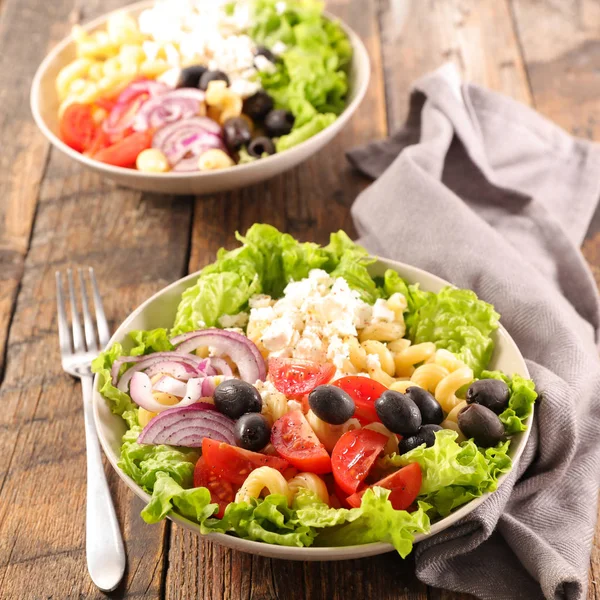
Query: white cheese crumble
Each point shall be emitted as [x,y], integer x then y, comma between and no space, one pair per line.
[311,320]
[382,312]
[238,321]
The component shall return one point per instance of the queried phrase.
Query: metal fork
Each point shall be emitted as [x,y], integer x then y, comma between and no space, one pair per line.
[103,542]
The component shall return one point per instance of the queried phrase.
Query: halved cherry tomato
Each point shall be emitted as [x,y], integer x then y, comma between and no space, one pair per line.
[234,464]
[77,126]
[101,140]
[124,152]
[405,485]
[354,455]
[364,391]
[295,440]
[295,377]
[342,496]
[222,492]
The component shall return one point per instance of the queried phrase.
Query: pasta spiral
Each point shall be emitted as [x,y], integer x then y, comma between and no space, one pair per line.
[257,480]
[329,434]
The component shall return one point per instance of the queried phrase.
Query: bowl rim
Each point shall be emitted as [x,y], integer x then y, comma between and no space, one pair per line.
[359,53]
[310,553]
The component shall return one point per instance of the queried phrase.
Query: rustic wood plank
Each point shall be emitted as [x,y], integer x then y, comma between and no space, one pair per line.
[134,242]
[477,36]
[309,202]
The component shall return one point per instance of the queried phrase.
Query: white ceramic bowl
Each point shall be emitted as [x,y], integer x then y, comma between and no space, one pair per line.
[159,311]
[44,106]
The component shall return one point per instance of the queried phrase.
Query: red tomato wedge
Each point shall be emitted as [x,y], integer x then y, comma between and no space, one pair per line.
[353,457]
[100,141]
[77,126]
[295,440]
[222,492]
[106,103]
[294,377]
[364,391]
[405,485]
[125,151]
[234,464]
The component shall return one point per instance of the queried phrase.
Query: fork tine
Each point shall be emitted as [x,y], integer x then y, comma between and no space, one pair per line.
[64,339]
[78,345]
[103,332]
[88,322]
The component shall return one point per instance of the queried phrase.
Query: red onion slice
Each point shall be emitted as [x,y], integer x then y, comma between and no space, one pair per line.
[184,141]
[170,367]
[242,351]
[220,364]
[143,362]
[140,390]
[188,426]
[170,385]
[168,108]
[128,103]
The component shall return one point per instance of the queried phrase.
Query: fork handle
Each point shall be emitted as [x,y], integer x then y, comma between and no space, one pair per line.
[103,542]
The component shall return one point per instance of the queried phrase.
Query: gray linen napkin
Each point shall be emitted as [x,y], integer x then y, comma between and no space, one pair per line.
[484,192]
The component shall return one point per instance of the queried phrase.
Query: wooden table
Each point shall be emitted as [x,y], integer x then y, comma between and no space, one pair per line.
[545,53]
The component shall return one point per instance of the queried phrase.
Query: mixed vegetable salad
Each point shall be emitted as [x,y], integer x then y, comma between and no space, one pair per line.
[197,85]
[298,400]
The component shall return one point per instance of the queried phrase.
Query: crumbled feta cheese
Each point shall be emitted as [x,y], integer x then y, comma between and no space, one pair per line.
[382,312]
[373,361]
[264,65]
[278,48]
[277,335]
[280,7]
[294,405]
[234,321]
[260,301]
[264,313]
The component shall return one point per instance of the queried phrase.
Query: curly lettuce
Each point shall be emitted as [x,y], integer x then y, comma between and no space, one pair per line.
[307,522]
[265,263]
[310,79]
[454,473]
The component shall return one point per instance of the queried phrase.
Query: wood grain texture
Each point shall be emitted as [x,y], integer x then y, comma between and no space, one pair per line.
[135,244]
[478,36]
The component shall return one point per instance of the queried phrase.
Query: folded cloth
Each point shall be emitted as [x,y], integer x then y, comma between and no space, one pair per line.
[486,193]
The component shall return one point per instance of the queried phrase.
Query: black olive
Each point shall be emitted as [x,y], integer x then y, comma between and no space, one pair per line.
[259,146]
[398,413]
[209,76]
[491,393]
[252,432]
[480,423]
[279,122]
[409,443]
[262,51]
[331,404]
[236,133]
[427,433]
[190,76]
[258,106]
[235,397]
[429,407]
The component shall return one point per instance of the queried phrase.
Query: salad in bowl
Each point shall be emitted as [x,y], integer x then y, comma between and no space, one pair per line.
[190,86]
[304,398]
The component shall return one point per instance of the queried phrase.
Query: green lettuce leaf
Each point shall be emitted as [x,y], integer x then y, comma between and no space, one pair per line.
[143,462]
[317,123]
[266,262]
[520,404]
[453,473]
[458,321]
[146,342]
[379,522]
[310,80]
[119,402]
